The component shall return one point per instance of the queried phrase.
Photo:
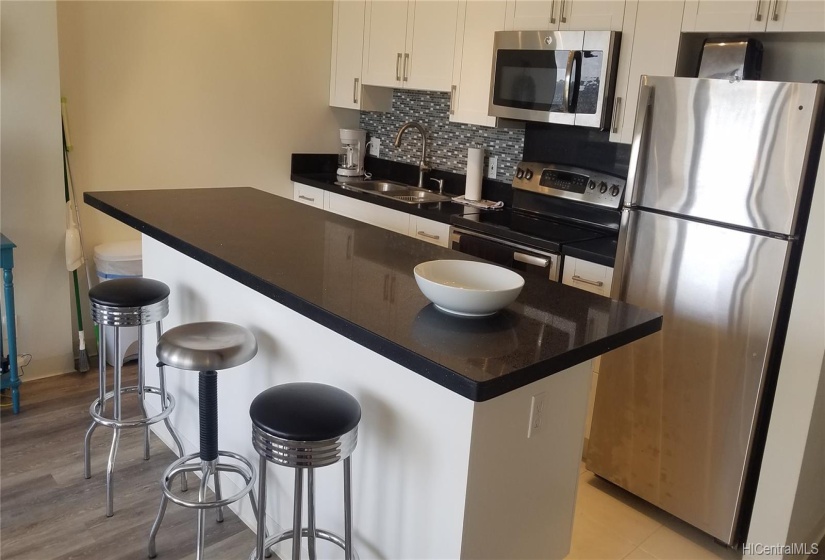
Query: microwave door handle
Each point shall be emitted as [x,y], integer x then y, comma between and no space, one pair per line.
[638,147]
[568,76]
[572,81]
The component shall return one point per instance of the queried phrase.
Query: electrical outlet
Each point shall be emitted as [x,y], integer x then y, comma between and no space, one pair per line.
[492,167]
[536,415]
[375,147]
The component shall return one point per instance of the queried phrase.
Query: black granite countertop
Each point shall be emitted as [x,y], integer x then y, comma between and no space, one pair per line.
[333,270]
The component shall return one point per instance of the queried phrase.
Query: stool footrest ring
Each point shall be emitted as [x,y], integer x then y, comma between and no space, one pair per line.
[94,409]
[244,469]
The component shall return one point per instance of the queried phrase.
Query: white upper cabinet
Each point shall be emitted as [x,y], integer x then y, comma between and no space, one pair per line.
[754,15]
[650,44]
[796,15]
[602,15]
[477,22]
[409,44]
[347,47]
[345,84]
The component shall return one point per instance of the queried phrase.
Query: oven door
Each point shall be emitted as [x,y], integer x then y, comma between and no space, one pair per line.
[561,77]
[531,261]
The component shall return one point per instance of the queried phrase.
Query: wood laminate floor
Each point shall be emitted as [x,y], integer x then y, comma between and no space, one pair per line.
[48,510]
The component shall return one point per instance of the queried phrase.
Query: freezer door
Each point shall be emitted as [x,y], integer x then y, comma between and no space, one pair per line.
[730,152]
[674,412]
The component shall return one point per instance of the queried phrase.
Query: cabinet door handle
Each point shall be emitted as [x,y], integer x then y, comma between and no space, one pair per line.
[302,197]
[758,16]
[386,287]
[616,111]
[406,60]
[428,235]
[392,290]
[349,247]
[398,68]
[452,100]
[597,283]
[562,17]
[553,11]
[775,13]
[355,91]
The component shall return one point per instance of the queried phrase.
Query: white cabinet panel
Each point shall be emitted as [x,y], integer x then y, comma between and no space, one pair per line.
[305,194]
[429,231]
[725,15]
[578,15]
[385,31]
[796,15]
[598,15]
[370,213]
[477,22]
[428,59]
[409,44]
[587,276]
[347,48]
[652,44]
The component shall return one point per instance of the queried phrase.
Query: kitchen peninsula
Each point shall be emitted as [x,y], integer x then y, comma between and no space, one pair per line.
[472,430]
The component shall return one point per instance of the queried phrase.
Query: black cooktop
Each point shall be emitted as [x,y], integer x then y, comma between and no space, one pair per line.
[525,228]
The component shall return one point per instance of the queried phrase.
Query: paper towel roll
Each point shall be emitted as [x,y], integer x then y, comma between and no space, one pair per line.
[475,172]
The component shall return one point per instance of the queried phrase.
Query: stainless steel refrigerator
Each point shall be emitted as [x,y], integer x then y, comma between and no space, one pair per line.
[720,184]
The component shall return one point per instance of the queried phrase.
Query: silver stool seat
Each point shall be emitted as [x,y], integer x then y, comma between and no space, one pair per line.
[205,348]
[127,302]
[304,426]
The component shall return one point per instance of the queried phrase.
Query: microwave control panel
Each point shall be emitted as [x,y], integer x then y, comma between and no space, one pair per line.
[583,185]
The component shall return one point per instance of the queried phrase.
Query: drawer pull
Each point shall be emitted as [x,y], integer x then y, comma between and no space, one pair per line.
[302,197]
[597,283]
[428,235]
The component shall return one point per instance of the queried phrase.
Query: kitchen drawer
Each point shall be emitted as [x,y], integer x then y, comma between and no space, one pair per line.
[587,276]
[430,231]
[370,213]
[308,195]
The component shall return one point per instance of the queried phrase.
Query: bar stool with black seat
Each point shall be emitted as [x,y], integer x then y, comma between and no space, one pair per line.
[117,303]
[304,426]
[206,348]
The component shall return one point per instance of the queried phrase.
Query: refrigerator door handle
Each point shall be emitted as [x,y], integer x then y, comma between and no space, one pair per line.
[622,264]
[638,150]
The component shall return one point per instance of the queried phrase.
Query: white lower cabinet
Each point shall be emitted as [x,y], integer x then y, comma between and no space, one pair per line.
[429,231]
[311,196]
[598,279]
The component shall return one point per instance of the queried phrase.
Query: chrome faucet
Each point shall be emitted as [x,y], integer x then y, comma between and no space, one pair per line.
[422,167]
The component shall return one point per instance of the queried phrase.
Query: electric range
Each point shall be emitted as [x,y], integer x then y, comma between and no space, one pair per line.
[553,206]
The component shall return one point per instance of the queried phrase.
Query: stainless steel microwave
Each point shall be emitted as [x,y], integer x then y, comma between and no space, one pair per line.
[564,77]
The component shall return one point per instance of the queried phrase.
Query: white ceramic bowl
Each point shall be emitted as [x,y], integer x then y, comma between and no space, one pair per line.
[468,288]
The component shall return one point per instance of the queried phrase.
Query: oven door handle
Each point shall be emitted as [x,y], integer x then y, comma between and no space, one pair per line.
[530,259]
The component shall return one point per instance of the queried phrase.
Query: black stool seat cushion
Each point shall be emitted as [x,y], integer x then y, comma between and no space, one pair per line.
[129,292]
[305,412]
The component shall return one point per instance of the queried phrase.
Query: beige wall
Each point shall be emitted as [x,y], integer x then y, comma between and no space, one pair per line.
[193,94]
[31,184]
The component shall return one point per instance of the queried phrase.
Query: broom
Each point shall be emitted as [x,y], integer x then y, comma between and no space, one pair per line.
[74,258]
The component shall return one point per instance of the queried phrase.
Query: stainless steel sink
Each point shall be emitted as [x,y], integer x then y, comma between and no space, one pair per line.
[393,190]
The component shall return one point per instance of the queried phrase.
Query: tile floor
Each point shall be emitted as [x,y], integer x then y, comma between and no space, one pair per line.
[613,524]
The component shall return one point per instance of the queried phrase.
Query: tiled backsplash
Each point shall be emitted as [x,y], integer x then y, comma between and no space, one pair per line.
[448,142]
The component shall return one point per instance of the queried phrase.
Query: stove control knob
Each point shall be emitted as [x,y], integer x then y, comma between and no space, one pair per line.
[528,174]
[591,184]
[519,172]
[602,187]
[614,190]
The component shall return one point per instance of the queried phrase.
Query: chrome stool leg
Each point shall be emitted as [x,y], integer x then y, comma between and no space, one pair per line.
[296,514]
[348,508]
[140,393]
[184,485]
[261,513]
[110,468]
[156,525]
[101,368]
[219,514]
[311,513]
